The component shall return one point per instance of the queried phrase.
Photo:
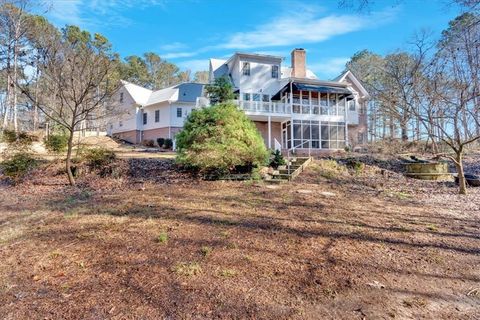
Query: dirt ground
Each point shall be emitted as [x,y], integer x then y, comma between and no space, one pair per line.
[161,245]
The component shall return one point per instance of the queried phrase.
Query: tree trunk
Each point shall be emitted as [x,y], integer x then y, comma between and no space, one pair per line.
[14,106]
[9,94]
[392,128]
[35,106]
[404,129]
[462,184]
[68,162]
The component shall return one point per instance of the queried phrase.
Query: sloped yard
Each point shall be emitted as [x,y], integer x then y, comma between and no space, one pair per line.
[371,245]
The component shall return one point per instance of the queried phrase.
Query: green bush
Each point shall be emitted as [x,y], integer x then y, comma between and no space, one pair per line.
[168,144]
[56,142]
[161,142]
[220,139]
[98,158]
[276,159]
[19,164]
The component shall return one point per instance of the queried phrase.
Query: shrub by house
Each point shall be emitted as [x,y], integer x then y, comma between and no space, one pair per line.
[220,139]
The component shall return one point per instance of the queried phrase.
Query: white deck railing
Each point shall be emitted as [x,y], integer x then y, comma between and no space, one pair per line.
[264,107]
[286,108]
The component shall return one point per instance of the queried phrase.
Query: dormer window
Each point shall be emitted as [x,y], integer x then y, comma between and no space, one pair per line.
[121,97]
[246,69]
[275,72]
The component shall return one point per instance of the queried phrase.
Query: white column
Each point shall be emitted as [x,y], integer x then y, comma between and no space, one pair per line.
[346,121]
[269,132]
[292,146]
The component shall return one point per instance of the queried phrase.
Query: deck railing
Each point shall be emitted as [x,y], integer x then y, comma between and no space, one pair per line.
[286,108]
[264,107]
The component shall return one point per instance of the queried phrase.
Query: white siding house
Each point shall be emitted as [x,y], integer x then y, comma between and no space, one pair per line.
[148,115]
[291,108]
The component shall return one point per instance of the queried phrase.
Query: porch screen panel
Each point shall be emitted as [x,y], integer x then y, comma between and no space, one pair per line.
[297,133]
[315,130]
[332,135]
[325,134]
[323,103]
[341,105]
[332,104]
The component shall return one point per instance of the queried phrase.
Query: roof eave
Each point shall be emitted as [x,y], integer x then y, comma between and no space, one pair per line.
[317,81]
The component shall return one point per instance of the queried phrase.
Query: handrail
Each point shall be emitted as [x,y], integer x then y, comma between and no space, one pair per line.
[297,146]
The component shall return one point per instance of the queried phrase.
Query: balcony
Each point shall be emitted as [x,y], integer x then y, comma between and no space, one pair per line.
[299,108]
[275,108]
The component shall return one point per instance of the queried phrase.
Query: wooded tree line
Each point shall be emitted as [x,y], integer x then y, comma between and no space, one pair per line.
[65,76]
[429,93]
[401,82]
[26,42]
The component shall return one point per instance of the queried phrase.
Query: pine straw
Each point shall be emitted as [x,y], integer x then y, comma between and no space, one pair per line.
[92,251]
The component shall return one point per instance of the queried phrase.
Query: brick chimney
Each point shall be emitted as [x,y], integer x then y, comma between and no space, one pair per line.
[299,67]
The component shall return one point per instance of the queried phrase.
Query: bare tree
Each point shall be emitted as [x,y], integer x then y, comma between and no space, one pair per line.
[75,69]
[13,26]
[449,92]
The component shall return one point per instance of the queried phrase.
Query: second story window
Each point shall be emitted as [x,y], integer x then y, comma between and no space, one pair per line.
[120,123]
[179,112]
[265,98]
[144,118]
[121,97]
[275,72]
[256,97]
[157,115]
[246,97]
[246,69]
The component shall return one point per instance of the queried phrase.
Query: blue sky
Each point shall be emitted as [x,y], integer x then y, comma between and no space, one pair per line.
[189,32]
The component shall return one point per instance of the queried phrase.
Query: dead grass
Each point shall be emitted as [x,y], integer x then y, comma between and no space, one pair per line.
[178,249]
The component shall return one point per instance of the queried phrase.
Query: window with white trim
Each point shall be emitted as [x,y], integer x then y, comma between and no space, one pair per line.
[246,97]
[179,112]
[157,115]
[246,69]
[121,97]
[145,115]
[275,72]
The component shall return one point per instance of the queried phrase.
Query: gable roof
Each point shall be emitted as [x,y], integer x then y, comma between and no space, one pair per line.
[184,92]
[349,74]
[287,72]
[139,94]
[189,91]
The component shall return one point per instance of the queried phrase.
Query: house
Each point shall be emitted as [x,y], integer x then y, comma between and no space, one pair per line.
[290,106]
[142,114]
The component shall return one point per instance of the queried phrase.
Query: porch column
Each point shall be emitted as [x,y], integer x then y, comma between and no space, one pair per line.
[345,114]
[269,132]
[292,146]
